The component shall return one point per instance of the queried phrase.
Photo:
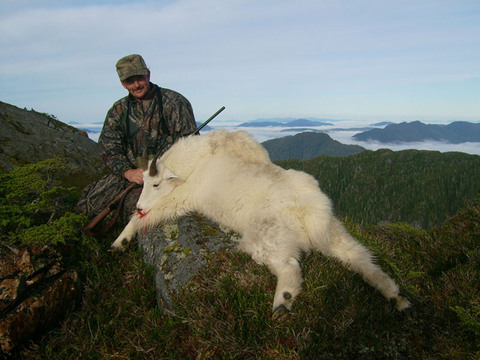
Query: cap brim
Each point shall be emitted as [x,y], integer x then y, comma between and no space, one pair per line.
[141,72]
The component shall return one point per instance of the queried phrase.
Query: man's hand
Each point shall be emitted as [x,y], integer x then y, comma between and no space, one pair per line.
[134,175]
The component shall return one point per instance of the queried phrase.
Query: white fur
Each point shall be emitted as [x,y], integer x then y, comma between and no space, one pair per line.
[279,213]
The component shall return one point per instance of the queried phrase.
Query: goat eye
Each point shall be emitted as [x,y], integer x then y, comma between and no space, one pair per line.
[155,185]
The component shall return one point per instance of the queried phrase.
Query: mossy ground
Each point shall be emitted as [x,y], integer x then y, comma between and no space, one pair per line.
[225,313]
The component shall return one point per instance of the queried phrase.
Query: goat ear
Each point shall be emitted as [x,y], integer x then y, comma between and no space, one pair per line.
[169,175]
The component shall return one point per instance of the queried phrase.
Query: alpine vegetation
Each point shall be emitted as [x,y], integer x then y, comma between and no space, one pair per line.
[228,177]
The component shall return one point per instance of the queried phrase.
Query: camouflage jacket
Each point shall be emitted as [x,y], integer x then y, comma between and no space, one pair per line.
[154,122]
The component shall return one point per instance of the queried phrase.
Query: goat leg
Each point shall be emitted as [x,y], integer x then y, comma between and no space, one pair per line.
[126,235]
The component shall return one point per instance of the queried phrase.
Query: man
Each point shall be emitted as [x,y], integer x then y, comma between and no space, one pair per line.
[150,118]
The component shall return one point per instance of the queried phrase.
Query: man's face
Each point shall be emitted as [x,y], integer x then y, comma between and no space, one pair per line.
[137,85]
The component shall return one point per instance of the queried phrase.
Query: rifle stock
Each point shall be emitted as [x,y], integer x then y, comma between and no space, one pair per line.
[88,229]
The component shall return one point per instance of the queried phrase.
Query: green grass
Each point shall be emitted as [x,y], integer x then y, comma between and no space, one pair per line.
[225,312]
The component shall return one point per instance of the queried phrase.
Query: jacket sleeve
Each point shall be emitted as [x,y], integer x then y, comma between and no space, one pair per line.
[187,119]
[113,146]
[180,115]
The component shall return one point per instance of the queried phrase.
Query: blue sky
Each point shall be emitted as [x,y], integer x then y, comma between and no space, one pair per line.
[396,60]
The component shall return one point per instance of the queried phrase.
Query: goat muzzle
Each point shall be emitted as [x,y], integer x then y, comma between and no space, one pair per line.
[141,213]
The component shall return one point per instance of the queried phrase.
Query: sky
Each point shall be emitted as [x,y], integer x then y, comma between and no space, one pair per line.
[370,60]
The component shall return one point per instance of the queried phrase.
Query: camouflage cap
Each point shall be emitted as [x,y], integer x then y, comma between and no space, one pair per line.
[131,65]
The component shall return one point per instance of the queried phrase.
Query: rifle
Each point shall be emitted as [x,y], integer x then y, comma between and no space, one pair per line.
[208,120]
[117,203]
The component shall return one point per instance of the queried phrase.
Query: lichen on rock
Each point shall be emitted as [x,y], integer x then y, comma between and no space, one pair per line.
[179,250]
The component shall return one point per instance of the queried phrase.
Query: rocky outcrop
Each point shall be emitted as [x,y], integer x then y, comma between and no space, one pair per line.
[35,288]
[35,292]
[28,137]
[179,251]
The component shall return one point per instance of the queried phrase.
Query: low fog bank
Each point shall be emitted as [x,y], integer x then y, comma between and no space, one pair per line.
[339,131]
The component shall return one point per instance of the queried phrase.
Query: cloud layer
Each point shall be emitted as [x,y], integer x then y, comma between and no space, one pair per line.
[371,59]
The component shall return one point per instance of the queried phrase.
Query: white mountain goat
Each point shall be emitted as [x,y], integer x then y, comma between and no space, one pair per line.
[279,213]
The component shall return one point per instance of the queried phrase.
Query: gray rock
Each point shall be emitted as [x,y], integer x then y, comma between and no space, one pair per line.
[35,292]
[180,250]
[28,137]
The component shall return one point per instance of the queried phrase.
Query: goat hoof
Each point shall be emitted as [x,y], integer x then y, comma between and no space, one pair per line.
[280,313]
[114,249]
[408,311]
[402,305]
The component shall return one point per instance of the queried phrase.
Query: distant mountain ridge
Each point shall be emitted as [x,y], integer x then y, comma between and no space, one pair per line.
[307,145]
[382,123]
[456,132]
[286,123]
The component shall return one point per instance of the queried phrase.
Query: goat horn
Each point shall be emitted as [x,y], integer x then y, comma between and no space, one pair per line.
[153,166]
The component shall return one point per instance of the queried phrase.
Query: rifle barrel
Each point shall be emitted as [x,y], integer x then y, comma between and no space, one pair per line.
[208,120]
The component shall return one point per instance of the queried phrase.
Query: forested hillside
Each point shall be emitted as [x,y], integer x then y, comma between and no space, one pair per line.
[307,145]
[422,188]
[225,312]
